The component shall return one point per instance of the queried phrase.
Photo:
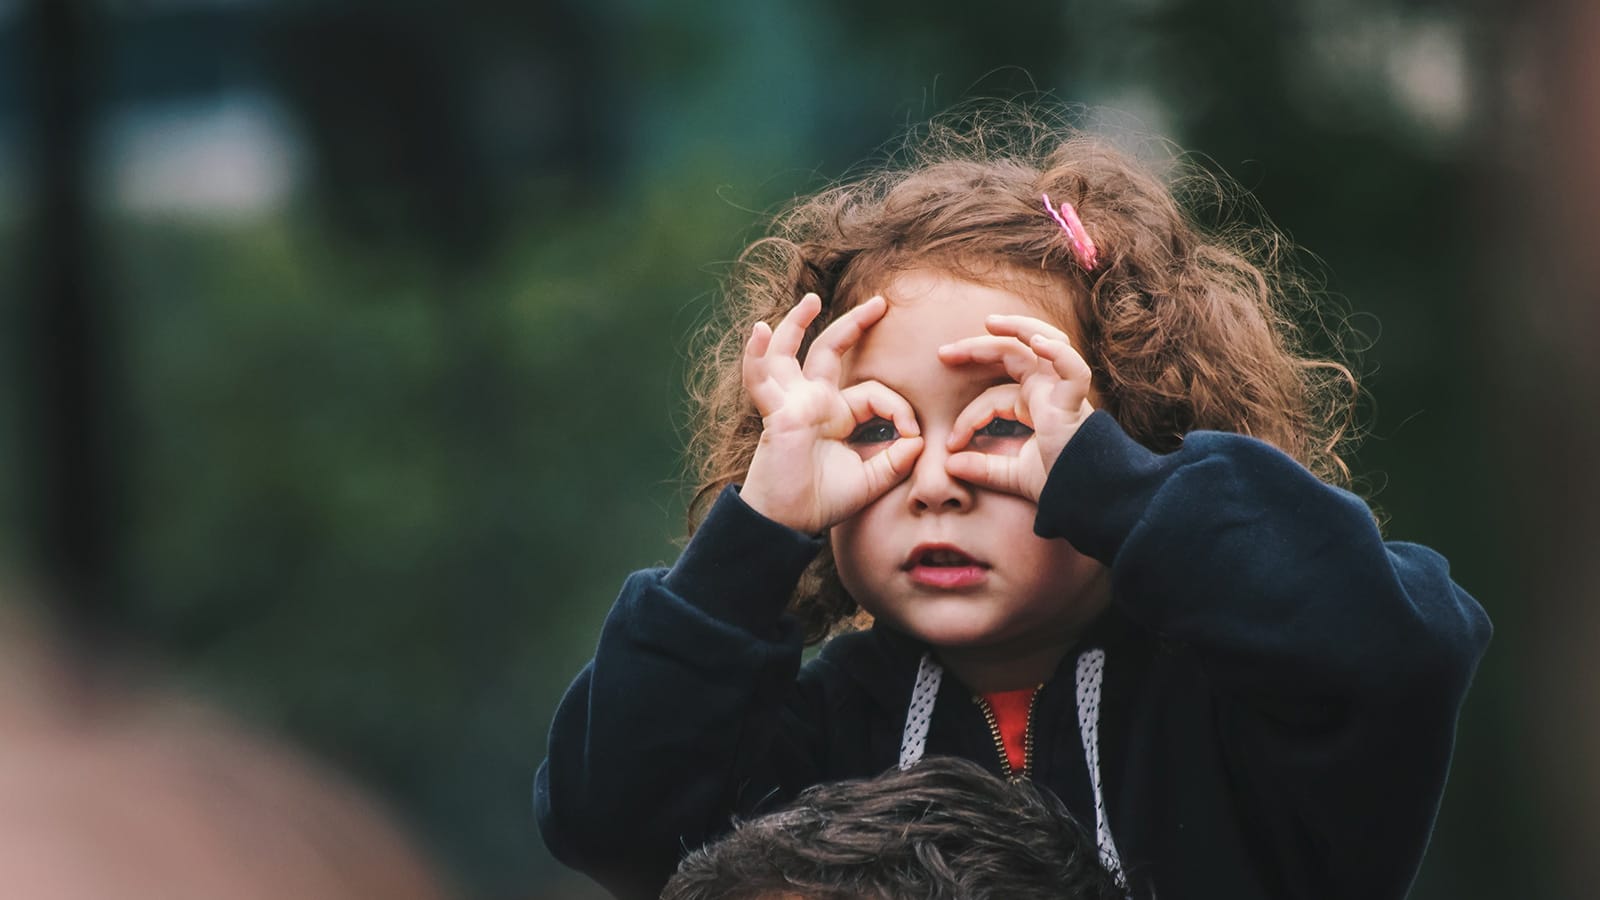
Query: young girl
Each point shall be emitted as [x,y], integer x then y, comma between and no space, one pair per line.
[1060,445]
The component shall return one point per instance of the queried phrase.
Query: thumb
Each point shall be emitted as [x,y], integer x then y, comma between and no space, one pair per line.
[891,467]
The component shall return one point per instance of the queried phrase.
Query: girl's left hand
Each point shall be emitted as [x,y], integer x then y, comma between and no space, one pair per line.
[1050,396]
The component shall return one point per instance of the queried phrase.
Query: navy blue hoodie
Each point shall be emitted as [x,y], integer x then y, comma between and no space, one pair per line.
[1276,716]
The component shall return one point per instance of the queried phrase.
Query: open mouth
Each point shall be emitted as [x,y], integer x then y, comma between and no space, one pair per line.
[940,557]
[944,566]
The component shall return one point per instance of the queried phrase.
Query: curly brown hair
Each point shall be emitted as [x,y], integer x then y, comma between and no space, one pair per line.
[945,829]
[1186,326]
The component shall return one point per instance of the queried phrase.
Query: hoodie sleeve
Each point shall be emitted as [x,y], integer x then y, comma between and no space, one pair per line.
[1339,661]
[694,674]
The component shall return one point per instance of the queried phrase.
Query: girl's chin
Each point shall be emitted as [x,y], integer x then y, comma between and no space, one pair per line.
[959,630]
[953,632]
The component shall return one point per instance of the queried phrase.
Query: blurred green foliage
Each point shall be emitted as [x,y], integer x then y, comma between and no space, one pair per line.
[384,506]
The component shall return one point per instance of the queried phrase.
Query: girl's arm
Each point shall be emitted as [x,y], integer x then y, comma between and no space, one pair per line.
[1340,661]
[691,709]
[693,686]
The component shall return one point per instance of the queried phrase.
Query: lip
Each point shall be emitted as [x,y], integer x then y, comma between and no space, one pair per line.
[919,551]
[969,574]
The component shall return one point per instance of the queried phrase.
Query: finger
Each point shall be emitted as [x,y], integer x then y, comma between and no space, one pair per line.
[1024,328]
[760,337]
[1016,358]
[1000,400]
[1000,473]
[754,369]
[789,334]
[891,467]
[823,359]
[1070,398]
[874,398]
[1067,362]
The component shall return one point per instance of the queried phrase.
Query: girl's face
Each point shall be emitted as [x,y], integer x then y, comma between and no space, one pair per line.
[1021,594]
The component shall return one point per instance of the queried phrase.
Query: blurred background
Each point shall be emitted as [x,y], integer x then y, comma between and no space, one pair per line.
[344,342]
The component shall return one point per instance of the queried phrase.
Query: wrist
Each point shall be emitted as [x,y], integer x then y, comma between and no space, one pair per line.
[739,566]
[762,502]
[756,498]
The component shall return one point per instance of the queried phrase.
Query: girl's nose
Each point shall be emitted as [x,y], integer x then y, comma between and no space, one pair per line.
[932,487]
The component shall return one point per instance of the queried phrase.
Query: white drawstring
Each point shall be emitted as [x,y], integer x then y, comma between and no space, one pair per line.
[914,738]
[1090,673]
[1091,669]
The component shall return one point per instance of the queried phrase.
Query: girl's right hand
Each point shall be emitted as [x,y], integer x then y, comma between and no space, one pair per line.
[806,472]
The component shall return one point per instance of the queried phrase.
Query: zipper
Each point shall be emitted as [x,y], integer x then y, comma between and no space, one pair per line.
[1000,742]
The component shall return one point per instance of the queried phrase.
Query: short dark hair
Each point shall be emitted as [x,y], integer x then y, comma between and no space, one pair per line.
[944,829]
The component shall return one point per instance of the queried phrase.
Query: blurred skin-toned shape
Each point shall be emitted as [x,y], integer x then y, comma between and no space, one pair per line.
[112,792]
[1546,325]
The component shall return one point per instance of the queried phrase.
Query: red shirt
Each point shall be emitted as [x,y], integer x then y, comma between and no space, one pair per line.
[1011,714]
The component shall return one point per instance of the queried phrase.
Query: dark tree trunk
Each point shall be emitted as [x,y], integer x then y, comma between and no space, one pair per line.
[63,339]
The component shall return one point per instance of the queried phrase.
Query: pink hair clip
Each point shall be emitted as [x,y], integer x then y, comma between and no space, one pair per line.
[1082,245]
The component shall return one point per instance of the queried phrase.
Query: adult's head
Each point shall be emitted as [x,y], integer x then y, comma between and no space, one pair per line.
[945,829]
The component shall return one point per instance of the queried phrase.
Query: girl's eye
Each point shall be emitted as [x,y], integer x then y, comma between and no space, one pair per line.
[876,430]
[1003,428]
